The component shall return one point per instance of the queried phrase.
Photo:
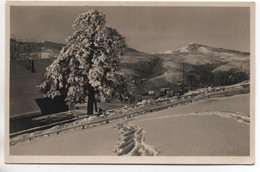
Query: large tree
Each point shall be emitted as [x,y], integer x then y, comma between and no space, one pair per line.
[89,64]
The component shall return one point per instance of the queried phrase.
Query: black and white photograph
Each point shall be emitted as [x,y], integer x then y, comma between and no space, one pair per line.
[130,83]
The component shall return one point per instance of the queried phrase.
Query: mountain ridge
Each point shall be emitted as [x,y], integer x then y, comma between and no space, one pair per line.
[194,47]
[159,70]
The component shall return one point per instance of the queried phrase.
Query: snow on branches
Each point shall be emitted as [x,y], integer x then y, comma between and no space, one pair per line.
[89,60]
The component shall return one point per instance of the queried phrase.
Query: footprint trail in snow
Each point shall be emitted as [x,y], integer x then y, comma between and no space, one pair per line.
[131,141]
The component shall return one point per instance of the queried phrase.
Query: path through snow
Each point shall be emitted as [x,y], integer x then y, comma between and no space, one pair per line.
[131,141]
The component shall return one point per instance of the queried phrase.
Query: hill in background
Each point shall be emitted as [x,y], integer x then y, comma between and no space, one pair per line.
[198,56]
[208,65]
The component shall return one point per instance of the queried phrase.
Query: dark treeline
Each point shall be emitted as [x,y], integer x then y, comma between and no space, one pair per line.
[202,76]
[23,50]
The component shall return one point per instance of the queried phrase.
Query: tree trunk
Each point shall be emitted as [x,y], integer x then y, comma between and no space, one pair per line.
[95,102]
[90,100]
[29,64]
[32,66]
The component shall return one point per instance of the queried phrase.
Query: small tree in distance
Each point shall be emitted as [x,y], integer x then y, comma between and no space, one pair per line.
[89,64]
[183,70]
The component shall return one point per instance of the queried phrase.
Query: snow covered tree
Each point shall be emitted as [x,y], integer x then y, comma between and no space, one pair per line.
[89,64]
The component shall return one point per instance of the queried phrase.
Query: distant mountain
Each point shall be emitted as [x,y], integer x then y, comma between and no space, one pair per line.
[203,49]
[198,48]
[159,69]
[221,60]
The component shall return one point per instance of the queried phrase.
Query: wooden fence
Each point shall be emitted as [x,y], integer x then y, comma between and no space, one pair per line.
[110,119]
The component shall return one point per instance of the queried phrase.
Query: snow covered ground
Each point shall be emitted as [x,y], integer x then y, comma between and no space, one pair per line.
[208,127]
[210,134]
[94,141]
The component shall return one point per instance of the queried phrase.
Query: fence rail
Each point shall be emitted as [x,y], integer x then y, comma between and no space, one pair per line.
[114,118]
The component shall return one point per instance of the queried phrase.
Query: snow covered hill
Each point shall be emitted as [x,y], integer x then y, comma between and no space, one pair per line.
[159,69]
[136,64]
[194,54]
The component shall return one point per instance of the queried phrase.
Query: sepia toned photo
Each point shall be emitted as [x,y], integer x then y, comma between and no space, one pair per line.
[138,83]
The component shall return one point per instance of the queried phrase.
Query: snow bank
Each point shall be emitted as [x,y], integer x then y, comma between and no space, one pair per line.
[239,117]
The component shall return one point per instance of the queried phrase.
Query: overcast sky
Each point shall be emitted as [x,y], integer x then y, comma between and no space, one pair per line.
[148,29]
